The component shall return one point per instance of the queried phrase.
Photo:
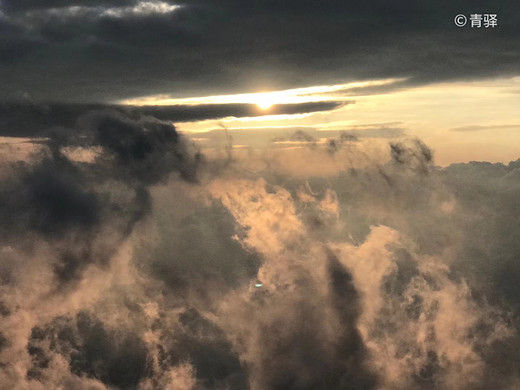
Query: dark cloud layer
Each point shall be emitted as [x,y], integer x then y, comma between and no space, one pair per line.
[229,46]
[26,5]
[32,120]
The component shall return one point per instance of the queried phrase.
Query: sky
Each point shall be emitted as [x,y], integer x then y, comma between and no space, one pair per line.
[259,195]
[393,61]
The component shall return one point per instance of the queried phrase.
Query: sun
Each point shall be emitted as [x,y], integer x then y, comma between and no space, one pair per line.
[264,103]
[264,106]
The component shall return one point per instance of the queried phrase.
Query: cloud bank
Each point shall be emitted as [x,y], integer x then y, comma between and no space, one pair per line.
[130,259]
[123,48]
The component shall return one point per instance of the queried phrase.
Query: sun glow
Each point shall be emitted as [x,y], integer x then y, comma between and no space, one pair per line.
[265,100]
[264,103]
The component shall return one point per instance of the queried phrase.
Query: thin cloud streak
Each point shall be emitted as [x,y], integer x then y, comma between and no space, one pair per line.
[291,96]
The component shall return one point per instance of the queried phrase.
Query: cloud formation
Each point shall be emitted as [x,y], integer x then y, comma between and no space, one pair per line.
[352,263]
[124,49]
[25,119]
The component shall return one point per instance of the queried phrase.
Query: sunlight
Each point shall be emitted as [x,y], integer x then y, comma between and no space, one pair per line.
[265,100]
[264,103]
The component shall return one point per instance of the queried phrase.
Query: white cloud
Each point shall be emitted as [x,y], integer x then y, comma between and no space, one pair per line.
[143,8]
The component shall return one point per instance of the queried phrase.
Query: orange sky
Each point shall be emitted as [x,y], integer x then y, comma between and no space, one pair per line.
[461,121]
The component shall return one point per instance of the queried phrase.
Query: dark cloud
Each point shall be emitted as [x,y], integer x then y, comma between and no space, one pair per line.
[351,351]
[117,359]
[187,267]
[60,199]
[213,111]
[492,233]
[120,358]
[418,156]
[34,120]
[25,5]
[205,345]
[229,46]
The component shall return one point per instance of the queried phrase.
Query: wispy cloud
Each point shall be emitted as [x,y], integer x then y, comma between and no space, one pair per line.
[140,9]
[471,128]
[319,93]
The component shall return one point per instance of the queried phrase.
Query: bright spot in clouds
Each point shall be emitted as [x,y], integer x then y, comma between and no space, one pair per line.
[264,103]
[142,8]
[265,100]
[479,119]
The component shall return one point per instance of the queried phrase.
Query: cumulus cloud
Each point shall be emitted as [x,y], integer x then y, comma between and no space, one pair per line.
[417,324]
[59,217]
[352,263]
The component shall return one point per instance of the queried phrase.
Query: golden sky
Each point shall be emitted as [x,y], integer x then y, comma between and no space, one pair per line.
[461,121]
